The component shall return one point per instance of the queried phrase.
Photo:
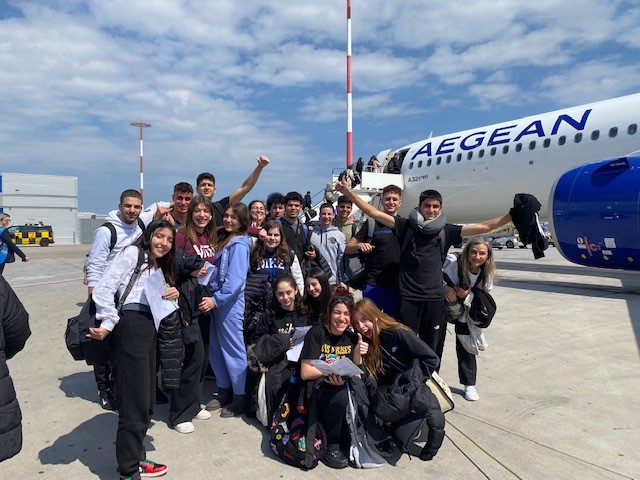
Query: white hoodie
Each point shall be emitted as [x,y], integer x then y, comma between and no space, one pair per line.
[126,234]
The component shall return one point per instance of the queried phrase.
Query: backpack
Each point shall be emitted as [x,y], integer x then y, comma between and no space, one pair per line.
[6,255]
[114,234]
[296,436]
[94,352]
[483,307]
[352,268]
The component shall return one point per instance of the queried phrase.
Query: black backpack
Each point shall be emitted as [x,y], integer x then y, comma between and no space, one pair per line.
[352,268]
[483,307]
[296,435]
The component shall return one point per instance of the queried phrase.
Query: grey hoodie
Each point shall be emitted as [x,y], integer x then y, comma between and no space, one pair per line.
[126,234]
[331,243]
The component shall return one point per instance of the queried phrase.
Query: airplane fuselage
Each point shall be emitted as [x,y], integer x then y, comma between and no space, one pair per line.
[478,171]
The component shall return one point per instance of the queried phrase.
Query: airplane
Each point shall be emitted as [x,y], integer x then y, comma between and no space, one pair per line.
[582,163]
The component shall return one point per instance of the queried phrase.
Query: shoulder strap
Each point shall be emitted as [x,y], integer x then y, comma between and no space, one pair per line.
[114,235]
[132,280]
[442,240]
[141,224]
[371,226]
[354,229]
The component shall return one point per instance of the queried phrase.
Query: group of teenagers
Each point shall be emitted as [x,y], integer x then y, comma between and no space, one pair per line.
[244,279]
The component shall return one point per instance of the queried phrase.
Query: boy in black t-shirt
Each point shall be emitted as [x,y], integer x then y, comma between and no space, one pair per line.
[422,252]
[206,186]
[381,255]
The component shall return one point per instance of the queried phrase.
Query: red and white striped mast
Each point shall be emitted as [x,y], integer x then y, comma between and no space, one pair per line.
[349,100]
[141,125]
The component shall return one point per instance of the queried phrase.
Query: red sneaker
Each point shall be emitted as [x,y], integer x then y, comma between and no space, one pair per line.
[152,469]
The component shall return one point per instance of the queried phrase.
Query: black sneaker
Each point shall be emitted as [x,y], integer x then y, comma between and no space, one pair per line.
[113,399]
[334,458]
[105,400]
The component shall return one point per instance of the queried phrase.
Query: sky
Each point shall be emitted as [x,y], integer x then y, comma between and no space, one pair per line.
[222,82]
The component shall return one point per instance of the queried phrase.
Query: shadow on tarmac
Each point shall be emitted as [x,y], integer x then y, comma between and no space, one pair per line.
[92,443]
[79,385]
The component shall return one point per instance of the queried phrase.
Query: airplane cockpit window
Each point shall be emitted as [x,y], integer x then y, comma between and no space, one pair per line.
[577,138]
[438,160]
[532,145]
[505,149]
[493,151]
[481,153]
[448,158]
[633,128]
[595,134]
[613,132]
[546,143]
[469,155]
[518,147]
[458,157]
[562,140]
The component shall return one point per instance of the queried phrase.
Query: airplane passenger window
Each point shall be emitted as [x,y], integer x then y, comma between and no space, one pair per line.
[429,163]
[481,153]
[547,142]
[518,147]
[633,128]
[493,151]
[577,138]
[505,149]
[469,155]
[532,145]
[410,165]
[595,134]
[448,158]
[613,132]
[420,164]
[562,140]
[458,157]
[438,160]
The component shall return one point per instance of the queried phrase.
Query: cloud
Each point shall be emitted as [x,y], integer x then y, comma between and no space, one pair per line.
[224,81]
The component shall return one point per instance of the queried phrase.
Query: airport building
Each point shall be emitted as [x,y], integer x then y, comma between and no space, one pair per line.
[50,199]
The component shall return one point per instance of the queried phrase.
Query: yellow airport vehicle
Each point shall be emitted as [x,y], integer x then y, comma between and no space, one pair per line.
[32,235]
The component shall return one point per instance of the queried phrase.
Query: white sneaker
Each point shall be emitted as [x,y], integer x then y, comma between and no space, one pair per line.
[470,393]
[184,427]
[203,415]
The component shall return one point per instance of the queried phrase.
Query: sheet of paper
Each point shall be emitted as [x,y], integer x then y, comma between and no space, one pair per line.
[293,354]
[154,288]
[205,280]
[343,367]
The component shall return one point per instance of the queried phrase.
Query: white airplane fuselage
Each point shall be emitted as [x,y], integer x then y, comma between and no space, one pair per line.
[478,171]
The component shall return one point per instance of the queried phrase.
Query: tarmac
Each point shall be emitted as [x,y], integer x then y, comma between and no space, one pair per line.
[559,388]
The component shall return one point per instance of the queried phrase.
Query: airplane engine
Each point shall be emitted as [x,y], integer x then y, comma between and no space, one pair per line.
[595,213]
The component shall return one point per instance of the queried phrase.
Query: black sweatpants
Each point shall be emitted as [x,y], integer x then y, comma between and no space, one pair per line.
[426,318]
[467,366]
[185,400]
[132,354]
[331,402]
